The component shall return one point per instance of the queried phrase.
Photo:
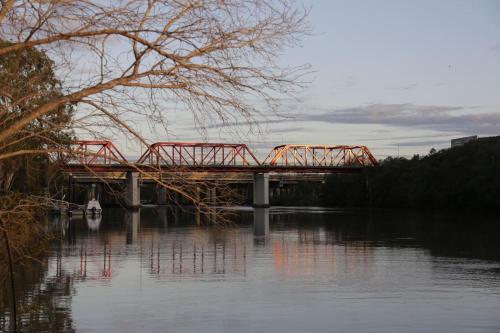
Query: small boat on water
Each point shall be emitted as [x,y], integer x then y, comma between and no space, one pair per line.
[93,208]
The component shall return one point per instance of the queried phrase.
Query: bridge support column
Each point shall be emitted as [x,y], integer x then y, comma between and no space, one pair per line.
[162,216]
[71,188]
[133,190]
[212,196]
[161,195]
[261,204]
[197,198]
[261,190]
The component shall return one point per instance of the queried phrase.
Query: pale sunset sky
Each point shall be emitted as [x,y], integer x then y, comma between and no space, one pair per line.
[398,76]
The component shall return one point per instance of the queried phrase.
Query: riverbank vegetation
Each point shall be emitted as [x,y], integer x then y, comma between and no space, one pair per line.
[28,80]
[465,178]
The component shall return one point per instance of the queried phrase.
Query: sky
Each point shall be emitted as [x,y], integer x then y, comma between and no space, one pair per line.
[400,77]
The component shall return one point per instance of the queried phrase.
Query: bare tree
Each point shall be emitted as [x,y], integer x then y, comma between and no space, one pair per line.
[117,59]
[215,57]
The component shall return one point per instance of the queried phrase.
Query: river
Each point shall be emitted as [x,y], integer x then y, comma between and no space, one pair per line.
[316,270]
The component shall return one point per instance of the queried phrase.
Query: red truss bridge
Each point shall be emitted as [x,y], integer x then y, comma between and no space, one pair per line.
[320,156]
[96,152]
[103,156]
[189,154]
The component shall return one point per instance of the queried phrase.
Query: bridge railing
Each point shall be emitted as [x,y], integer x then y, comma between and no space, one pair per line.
[193,154]
[94,152]
[320,156]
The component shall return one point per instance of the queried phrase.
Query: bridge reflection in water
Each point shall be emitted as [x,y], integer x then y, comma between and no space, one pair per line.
[168,250]
[311,271]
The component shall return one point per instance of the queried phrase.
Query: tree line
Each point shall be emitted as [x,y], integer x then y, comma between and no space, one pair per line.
[464,177]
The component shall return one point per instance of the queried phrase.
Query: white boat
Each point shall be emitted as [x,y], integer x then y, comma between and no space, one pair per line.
[93,208]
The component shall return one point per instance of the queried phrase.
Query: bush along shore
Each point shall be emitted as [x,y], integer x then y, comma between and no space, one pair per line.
[465,178]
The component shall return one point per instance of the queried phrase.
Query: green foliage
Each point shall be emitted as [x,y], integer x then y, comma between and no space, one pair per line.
[465,177]
[27,81]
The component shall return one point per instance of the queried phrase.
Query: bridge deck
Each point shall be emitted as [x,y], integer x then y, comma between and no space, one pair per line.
[210,169]
[225,177]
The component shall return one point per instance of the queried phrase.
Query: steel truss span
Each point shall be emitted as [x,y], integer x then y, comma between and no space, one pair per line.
[192,154]
[95,152]
[103,156]
[320,156]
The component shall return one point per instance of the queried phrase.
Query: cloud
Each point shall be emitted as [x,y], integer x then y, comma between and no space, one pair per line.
[449,120]
[289,129]
[252,123]
[440,118]
[350,81]
[495,48]
[423,143]
[406,87]
[412,137]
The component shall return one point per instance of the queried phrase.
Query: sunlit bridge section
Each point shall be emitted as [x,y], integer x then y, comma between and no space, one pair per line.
[193,154]
[97,152]
[103,156]
[320,156]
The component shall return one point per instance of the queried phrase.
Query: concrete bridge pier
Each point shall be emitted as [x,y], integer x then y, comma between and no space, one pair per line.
[162,215]
[261,190]
[71,188]
[91,192]
[133,190]
[261,204]
[161,195]
[212,195]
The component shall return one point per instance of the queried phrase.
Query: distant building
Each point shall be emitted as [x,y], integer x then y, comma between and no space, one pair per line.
[462,141]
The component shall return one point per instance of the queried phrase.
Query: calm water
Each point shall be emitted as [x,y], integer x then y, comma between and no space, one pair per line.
[315,271]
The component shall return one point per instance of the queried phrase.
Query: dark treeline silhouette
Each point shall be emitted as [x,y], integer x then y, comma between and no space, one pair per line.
[464,177]
[299,194]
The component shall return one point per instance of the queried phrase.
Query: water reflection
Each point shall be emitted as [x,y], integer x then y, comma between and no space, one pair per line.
[44,298]
[297,248]
[329,260]
[189,250]
[93,222]
[315,252]
[193,252]
[132,220]
[261,221]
